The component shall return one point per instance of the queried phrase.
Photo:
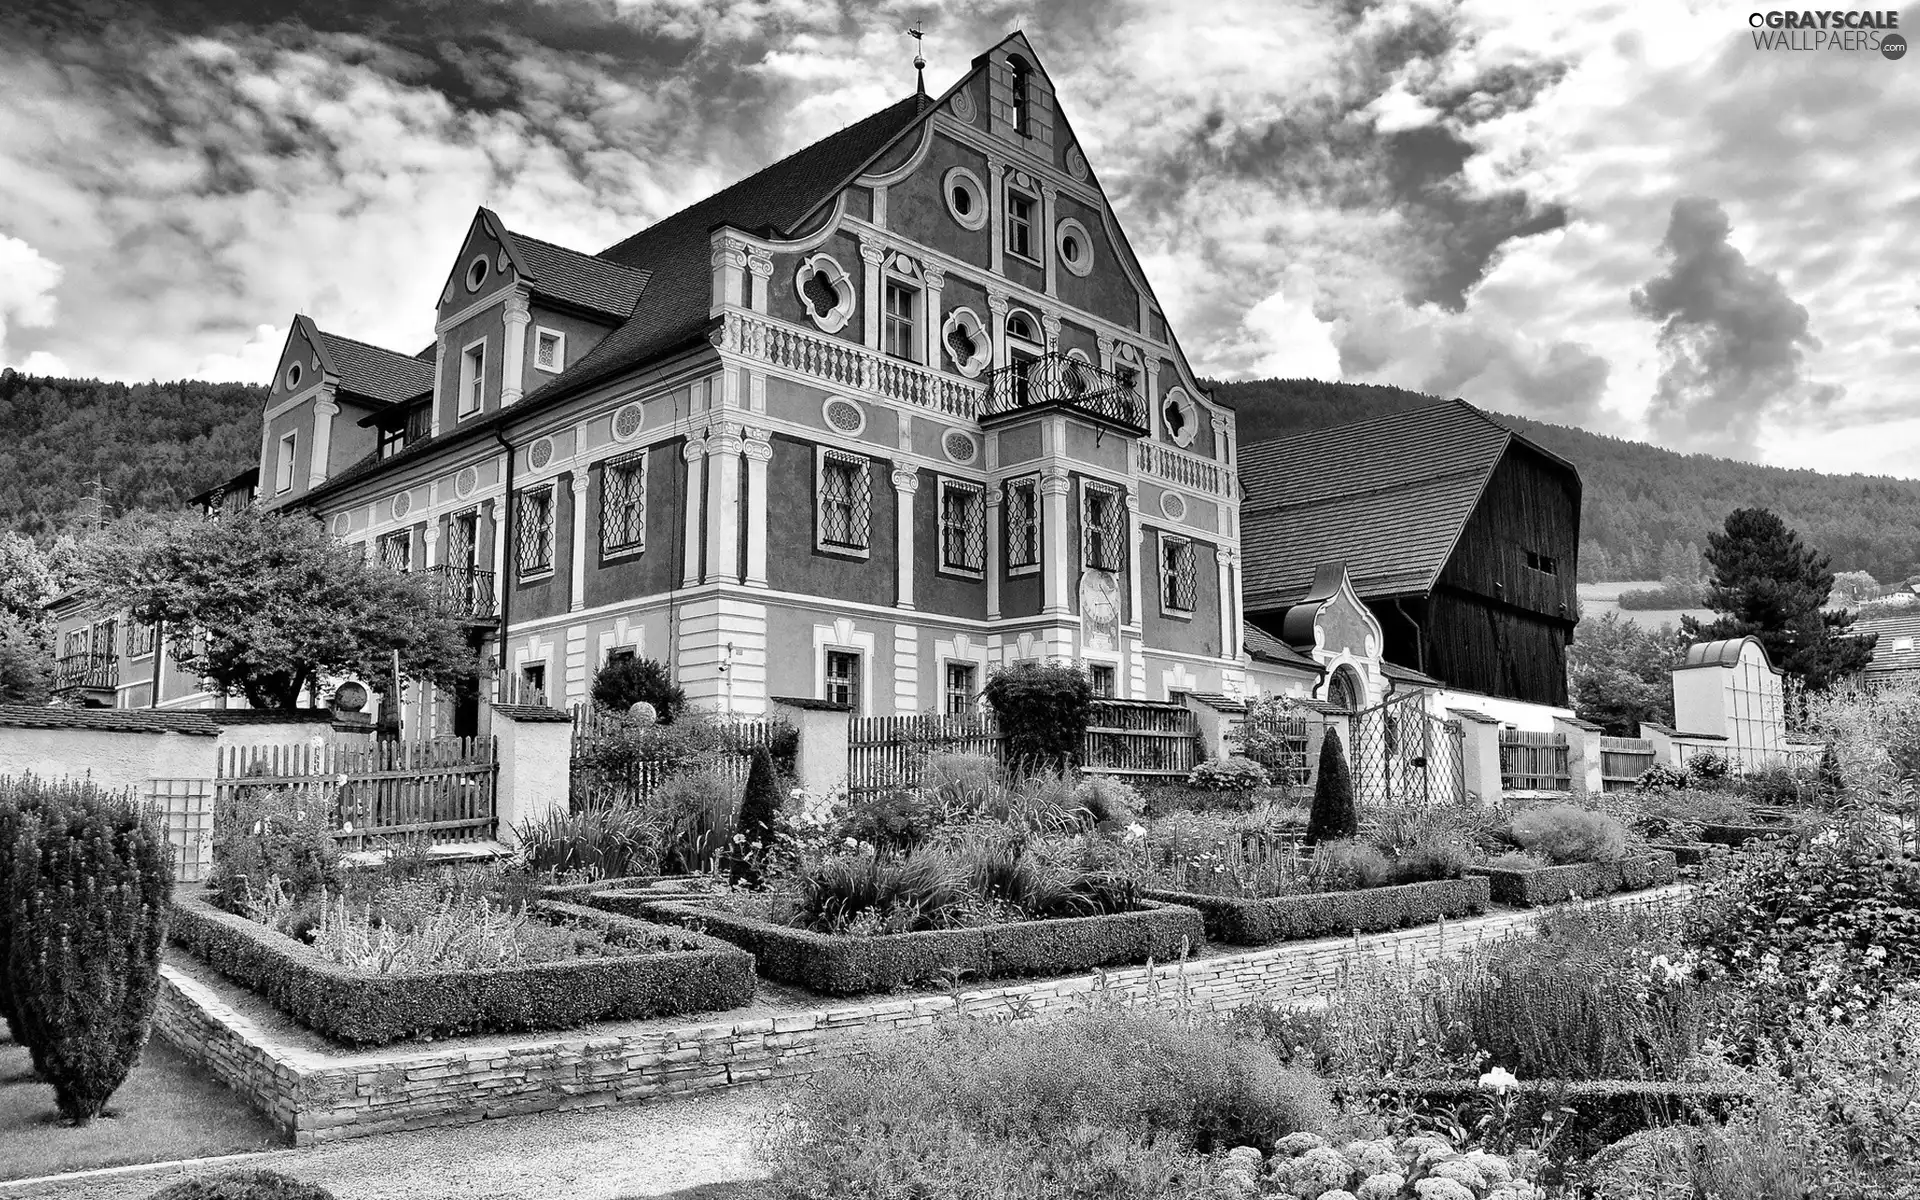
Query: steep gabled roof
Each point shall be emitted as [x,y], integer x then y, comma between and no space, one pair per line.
[1267,648]
[676,252]
[1389,496]
[373,372]
[581,280]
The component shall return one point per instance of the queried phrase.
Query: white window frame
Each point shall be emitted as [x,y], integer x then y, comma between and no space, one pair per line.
[1170,541]
[396,537]
[520,499]
[864,465]
[1071,228]
[473,379]
[1032,254]
[856,683]
[1030,483]
[947,668]
[559,349]
[835,318]
[960,178]
[912,323]
[638,459]
[286,465]
[1112,668]
[977,518]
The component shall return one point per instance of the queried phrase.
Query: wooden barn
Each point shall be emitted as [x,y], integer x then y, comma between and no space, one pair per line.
[1459,534]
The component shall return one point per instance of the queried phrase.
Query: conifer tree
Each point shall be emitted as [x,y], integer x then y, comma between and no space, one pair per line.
[759,809]
[1334,815]
[88,894]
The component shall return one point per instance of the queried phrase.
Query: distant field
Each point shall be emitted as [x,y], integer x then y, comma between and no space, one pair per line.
[1597,599]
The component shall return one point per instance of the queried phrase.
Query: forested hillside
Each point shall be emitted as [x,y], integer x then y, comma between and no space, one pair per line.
[1640,500]
[149,446]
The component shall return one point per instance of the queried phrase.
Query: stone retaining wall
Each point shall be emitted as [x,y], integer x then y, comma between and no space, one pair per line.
[316,1097]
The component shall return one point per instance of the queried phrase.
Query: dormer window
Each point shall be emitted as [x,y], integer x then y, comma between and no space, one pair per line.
[473,378]
[283,466]
[549,350]
[1021,80]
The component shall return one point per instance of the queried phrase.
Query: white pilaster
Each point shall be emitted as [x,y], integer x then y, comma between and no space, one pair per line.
[1150,368]
[723,502]
[997,317]
[729,263]
[577,593]
[760,267]
[996,211]
[695,454]
[432,540]
[325,408]
[936,280]
[994,537]
[906,669]
[1049,202]
[439,364]
[759,452]
[513,357]
[906,481]
[1054,486]
[1223,561]
[871,255]
[1136,566]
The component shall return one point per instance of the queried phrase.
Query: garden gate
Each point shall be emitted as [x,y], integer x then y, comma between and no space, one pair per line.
[442,789]
[1403,753]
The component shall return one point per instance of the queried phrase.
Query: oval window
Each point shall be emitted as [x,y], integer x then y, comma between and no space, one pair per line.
[1070,248]
[476,274]
[962,201]
[293,376]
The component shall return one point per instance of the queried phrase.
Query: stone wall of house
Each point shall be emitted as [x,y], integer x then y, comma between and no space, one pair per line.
[318,1098]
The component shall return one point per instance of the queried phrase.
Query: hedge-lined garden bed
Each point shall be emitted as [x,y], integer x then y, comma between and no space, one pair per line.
[670,971]
[1551,885]
[841,965]
[1692,854]
[1259,922]
[662,887]
[1724,834]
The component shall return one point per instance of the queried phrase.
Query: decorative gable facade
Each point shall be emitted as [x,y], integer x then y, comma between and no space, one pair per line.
[894,412]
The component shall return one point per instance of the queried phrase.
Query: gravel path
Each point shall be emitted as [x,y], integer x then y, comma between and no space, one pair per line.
[686,1148]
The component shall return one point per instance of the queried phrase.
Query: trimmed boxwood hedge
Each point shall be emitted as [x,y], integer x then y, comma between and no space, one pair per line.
[1248,922]
[1551,885]
[854,966]
[1692,854]
[664,887]
[690,973]
[1740,835]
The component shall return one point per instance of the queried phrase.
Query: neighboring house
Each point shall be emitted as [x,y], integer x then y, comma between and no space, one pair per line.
[1896,653]
[893,412]
[1458,536]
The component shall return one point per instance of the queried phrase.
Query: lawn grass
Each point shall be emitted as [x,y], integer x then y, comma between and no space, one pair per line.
[167,1110]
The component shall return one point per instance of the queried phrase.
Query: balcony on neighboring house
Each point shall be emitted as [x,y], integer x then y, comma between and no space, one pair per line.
[1058,381]
[93,673]
[466,591]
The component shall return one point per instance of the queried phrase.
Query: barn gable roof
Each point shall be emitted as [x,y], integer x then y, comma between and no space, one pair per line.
[1897,651]
[1389,496]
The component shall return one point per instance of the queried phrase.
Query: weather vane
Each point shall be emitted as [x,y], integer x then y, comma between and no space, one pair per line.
[919,60]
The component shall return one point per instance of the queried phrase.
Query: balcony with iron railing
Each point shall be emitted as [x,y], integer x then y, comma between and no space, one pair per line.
[1062,382]
[465,591]
[87,671]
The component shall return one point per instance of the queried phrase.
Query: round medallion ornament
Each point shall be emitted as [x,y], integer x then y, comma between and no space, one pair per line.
[966,341]
[962,105]
[540,453]
[627,422]
[343,524]
[402,505]
[960,447]
[844,416]
[1173,506]
[826,291]
[467,480]
[1076,163]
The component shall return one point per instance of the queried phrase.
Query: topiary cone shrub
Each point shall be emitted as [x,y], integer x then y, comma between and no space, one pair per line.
[753,828]
[88,895]
[1334,816]
[1043,709]
[20,800]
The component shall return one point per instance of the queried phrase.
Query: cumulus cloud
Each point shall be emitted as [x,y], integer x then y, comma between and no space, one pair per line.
[27,280]
[1733,344]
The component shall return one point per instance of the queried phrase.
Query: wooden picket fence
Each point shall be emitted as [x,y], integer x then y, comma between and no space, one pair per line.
[1535,762]
[888,752]
[1141,740]
[1623,761]
[441,789]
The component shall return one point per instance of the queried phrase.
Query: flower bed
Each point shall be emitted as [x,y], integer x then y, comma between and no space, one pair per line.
[839,965]
[1551,885]
[1258,922]
[1739,835]
[663,971]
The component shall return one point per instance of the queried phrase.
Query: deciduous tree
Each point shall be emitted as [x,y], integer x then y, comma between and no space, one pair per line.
[268,605]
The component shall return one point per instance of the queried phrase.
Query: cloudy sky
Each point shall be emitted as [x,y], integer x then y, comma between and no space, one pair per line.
[1620,216]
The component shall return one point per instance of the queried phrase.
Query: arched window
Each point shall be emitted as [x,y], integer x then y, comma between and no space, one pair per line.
[1022,104]
[1346,689]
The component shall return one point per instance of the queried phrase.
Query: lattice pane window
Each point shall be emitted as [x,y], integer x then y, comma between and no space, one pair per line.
[396,550]
[960,688]
[1023,522]
[141,637]
[1176,575]
[845,500]
[533,529]
[1103,527]
[463,552]
[623,504]
[843,679]
[963,526]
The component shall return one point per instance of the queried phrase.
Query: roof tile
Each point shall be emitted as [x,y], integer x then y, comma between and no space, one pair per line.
[377,373]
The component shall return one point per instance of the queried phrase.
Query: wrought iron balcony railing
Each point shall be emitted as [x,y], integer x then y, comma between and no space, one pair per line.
[1058,380]
[467,591]
[96,670]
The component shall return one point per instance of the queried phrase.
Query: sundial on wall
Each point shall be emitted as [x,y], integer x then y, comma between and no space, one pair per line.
[1099,610]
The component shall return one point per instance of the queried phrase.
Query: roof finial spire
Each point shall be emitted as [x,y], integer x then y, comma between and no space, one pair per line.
[919,60]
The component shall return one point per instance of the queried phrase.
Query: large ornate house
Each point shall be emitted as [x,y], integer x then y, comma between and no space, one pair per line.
[890,413]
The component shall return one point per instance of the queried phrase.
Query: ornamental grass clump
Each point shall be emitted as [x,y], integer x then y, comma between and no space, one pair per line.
[597,843]
[1102,1103]
[1563,833]
[87,891]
